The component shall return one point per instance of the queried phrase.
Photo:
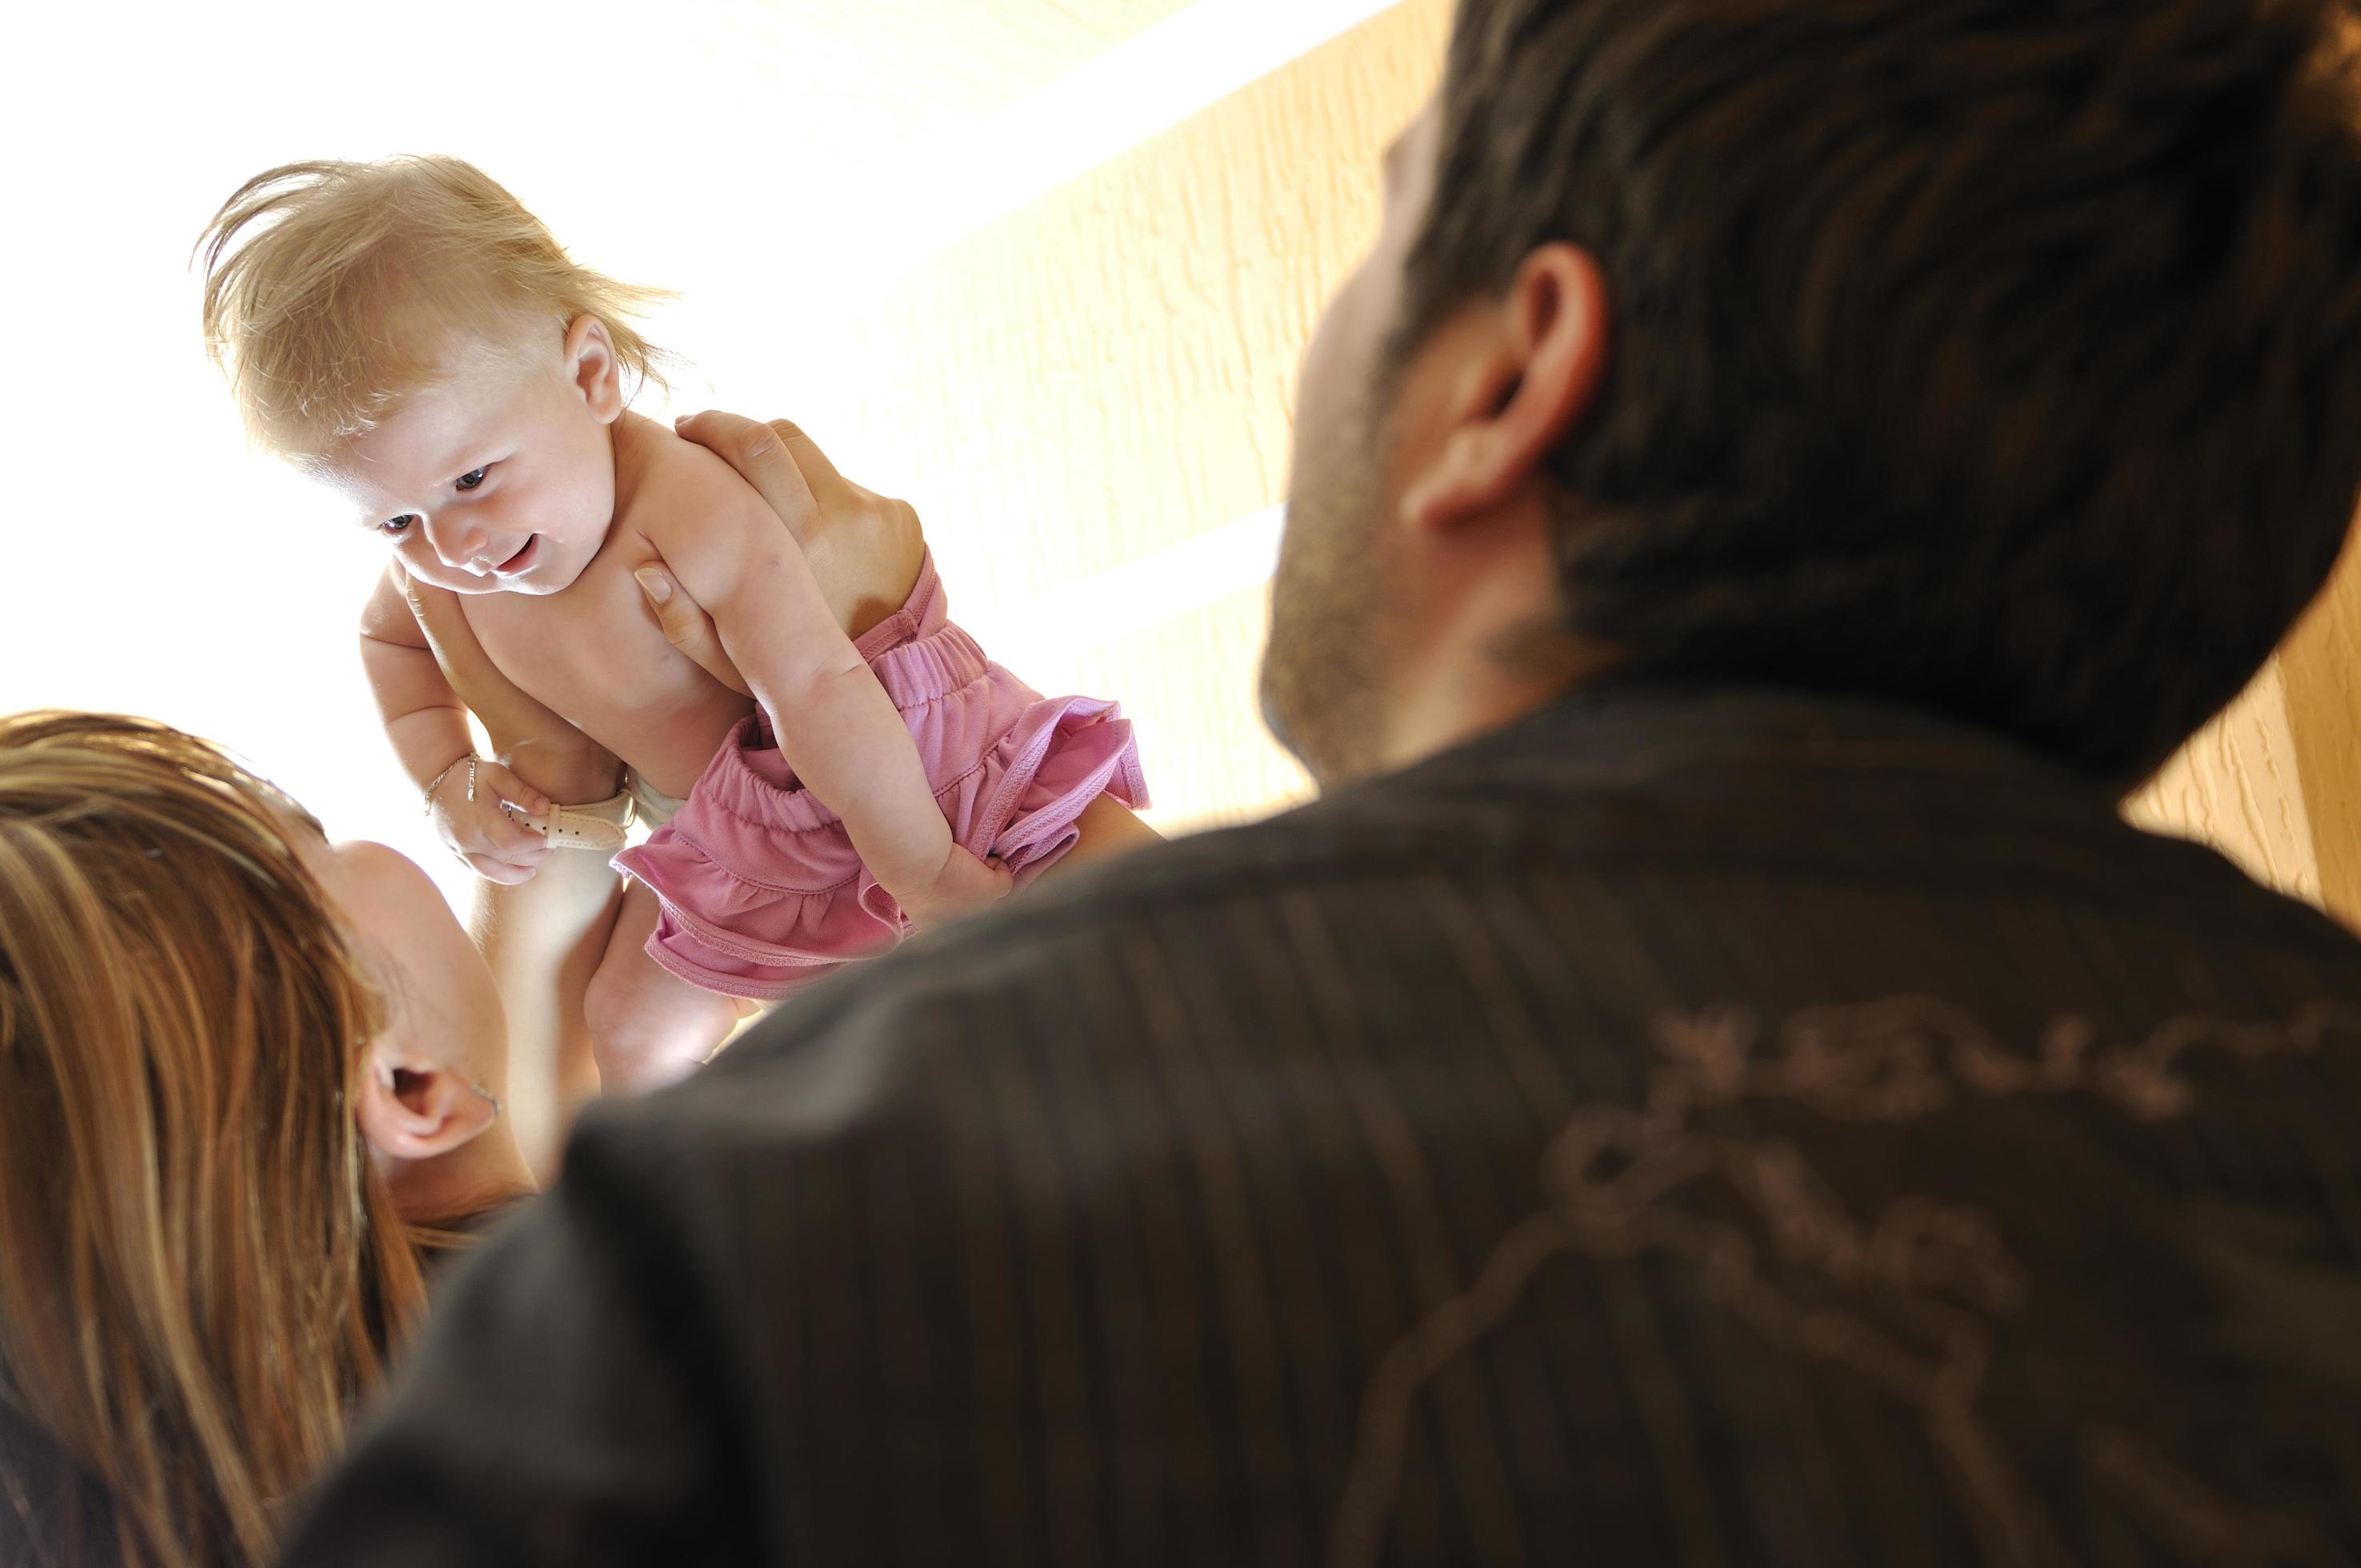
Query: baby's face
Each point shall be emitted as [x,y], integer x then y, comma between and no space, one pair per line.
[499,480]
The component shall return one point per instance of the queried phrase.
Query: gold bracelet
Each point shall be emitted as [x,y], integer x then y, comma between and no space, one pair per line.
[471,760]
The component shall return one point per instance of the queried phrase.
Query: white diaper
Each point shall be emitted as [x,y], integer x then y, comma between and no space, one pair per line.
[649,805]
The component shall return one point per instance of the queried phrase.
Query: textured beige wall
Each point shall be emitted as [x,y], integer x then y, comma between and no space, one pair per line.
[921,66]
[2323,664]
[1108,373]
[2276,781]
[2237,787]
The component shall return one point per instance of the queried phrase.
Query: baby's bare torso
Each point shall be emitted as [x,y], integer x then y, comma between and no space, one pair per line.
[594,653]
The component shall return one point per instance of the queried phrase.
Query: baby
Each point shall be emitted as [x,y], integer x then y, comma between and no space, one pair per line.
[409,335]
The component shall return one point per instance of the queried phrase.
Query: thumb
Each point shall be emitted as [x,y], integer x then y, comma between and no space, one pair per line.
[680,616]
[686,626]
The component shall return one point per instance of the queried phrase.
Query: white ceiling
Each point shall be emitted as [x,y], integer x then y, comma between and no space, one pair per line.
[912,68]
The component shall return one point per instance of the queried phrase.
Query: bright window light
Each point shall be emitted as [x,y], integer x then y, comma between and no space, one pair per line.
[157,567]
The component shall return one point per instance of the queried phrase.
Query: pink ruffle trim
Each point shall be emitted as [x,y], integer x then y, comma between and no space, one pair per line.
[762,891]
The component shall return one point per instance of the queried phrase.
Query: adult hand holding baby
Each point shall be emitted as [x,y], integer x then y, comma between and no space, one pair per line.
[864,548]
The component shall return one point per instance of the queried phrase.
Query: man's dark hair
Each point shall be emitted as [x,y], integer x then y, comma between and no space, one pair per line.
[1999,355]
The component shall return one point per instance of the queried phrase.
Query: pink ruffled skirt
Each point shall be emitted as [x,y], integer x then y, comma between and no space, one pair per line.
[761,888]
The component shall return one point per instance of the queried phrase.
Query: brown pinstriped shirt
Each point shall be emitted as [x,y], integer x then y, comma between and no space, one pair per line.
[1691,1127]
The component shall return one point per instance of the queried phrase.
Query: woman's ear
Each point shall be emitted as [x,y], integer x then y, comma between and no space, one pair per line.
[591,364]
[417,1110]
[1526,378]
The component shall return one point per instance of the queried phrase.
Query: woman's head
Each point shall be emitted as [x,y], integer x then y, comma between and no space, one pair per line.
[202,1257]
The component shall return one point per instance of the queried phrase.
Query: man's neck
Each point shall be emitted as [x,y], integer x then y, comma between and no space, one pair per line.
[1496,664]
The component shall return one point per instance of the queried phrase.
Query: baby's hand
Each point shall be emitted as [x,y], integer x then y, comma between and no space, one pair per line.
[964,885]
[485,831]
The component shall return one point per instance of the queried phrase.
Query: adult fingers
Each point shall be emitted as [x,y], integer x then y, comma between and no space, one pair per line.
[864,548]
[817,470]
[687,628]
[836,493]
[764,459]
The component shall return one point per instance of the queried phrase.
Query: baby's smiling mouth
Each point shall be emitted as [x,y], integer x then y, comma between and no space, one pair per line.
[515,563]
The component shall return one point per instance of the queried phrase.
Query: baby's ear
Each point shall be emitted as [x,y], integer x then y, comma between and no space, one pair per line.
[590,361]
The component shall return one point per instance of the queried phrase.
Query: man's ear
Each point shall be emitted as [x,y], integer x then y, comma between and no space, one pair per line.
[595,370]
[1529,371]
[416,1109]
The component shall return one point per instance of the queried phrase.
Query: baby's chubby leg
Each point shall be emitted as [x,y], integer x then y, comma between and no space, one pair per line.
[544,939]
[648,1026]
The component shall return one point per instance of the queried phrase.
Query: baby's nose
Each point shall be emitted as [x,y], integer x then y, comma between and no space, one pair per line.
[456,544]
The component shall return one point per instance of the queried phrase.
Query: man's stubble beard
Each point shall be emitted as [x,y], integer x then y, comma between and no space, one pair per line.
[1324,662]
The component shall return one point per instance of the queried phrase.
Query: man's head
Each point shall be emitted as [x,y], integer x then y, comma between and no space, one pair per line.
[408,332]
[2002,361]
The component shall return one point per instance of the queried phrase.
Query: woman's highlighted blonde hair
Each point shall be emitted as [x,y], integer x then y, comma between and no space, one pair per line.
[334,291]
[201,1269]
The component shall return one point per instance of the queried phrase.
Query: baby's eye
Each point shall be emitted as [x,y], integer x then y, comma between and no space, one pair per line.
[395,527]
[470,479]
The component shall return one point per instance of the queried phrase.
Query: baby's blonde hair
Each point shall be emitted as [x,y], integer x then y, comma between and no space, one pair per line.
[334,291]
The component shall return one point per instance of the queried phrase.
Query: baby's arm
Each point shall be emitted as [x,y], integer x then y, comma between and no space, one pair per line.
[837,728]
[422,714]
[1106,829]
[428,727]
